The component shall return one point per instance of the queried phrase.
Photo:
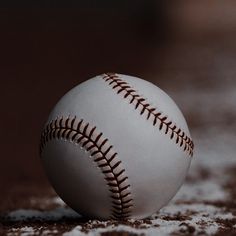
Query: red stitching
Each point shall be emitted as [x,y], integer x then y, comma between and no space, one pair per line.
[94,142]
[139,102]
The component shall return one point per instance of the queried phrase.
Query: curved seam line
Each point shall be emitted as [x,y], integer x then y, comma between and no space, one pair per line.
[121,203]
[120,85]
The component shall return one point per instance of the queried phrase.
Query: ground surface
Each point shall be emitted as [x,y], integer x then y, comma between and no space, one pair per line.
[196,67]
[205,205]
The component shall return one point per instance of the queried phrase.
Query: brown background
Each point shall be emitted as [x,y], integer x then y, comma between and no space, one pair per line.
[45,51]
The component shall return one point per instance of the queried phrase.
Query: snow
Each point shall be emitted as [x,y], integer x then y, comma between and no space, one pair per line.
[53,215]
[30,231]
[203,221]
[24,231]
[49,232]
[202,191]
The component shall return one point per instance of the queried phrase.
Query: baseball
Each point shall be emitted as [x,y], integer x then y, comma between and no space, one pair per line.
[116,147]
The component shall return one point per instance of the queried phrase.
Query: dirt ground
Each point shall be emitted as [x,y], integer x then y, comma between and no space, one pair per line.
[43,57]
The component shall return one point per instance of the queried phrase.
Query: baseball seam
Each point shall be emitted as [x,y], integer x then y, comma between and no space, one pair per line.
[139,102]
[92,141]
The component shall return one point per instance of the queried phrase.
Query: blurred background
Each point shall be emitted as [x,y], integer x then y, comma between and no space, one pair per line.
[186,47]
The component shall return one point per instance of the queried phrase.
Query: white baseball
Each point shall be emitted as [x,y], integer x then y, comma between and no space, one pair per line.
[116,146]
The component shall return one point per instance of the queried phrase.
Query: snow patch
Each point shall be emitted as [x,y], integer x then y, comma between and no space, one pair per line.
[53,215]
[199,218]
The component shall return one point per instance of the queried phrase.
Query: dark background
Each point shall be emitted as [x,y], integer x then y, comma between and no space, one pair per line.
[48,48]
